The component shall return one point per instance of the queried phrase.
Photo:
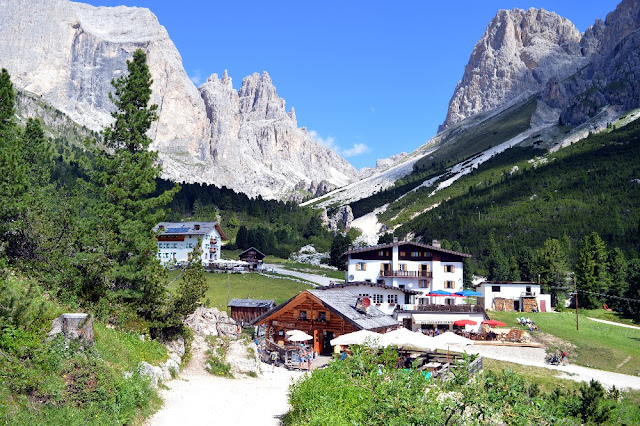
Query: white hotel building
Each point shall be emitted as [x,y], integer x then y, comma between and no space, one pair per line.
[417,269]
[177,239]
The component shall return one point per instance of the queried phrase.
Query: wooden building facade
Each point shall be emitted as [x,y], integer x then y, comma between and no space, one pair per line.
[253,257]
[323,314]
[244,311]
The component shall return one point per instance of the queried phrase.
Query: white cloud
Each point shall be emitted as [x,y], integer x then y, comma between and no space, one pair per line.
[356,149]
[330,142]
[196,77]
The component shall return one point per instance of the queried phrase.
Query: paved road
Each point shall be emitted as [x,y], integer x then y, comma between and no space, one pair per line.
[317,279]
[535,357]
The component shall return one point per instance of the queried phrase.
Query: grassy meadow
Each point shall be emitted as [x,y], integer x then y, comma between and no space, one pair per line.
[597,345]
[244,286]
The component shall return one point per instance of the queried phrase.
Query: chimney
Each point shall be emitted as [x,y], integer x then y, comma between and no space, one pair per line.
[435,243]
[196,226]
[395,239]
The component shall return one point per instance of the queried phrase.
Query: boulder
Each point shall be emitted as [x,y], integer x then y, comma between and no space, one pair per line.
[74,326]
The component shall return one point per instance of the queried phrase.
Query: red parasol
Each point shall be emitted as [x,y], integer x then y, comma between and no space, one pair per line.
[464,322]
[494,323]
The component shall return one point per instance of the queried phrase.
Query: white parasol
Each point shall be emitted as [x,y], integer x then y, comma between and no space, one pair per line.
[360,337]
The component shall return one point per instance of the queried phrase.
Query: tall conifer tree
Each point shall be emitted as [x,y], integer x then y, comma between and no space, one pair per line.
[124,177]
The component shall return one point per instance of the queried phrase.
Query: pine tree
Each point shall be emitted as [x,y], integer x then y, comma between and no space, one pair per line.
[619,272]
[552,266]
[242,238]
[13,178]
[124,179]
[36,153]
[339,246]
[592,272]
[193,286]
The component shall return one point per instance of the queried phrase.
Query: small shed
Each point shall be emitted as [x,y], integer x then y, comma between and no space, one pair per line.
[253,257]
[245,311]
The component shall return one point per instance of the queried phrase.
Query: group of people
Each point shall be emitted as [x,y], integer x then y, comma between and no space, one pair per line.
[558,358]
[305,355]
[527,322]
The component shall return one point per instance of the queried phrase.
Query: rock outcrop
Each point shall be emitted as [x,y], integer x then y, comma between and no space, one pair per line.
[537,52]
[518,53]
[277,157]
[68,53]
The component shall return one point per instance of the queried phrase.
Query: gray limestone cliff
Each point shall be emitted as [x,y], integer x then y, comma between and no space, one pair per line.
[535,52]
[518,53]
[67,53]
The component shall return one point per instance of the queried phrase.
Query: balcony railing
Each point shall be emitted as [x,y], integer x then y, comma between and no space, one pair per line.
[409,274]
[442,308]
[213,250]
[528,294]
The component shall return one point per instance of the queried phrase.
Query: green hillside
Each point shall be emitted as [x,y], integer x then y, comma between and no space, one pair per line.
[588,186]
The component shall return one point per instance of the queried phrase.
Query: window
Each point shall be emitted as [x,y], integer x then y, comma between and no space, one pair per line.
[495,288]
[322,316]
[302,315]
[403,253]
[378,298]
[528,289]
[415,254]
[381,253]
[392,298]
[364,295]
[175,245]
[189,245]
[423,283]
[449,268]
[449,284]
[427,254]
[402,267]
[380,282]
[361,266]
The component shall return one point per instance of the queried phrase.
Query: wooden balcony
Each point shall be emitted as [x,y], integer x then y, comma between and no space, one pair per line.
[213,250]
[213,241]
[407,274]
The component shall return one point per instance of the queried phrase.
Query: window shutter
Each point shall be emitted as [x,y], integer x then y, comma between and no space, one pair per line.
[364,266]
[453,268]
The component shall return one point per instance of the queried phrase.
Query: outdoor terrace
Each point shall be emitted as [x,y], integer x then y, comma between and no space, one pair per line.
[409,274]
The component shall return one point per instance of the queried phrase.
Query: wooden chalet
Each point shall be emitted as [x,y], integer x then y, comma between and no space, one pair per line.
[253,257]
[323,314]
[245,311]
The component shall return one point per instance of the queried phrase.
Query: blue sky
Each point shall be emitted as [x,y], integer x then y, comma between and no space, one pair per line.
[368,78]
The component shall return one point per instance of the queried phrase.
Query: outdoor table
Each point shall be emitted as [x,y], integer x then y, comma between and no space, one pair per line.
[433,367]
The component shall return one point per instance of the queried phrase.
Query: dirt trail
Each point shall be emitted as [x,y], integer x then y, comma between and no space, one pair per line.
[197,397]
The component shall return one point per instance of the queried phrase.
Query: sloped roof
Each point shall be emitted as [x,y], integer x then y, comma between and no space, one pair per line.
[251,303]
[402,243]
[367,283]
[188,228]
[343,303]
[251,248]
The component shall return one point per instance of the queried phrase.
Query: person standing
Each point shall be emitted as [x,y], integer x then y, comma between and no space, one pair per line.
[564,358]
[273,357]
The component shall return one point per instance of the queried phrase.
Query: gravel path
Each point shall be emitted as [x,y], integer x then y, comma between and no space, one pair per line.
[197,397]
[536,356]
[318,279]
[614,323]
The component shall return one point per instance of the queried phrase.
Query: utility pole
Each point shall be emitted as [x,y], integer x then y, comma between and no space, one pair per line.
[575,292]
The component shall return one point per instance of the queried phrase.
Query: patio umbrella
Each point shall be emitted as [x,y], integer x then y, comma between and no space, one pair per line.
[449,338]
[494,323]
[300,337]
[439,293]
[408,340]
[290,332]
[445,340]
[465,322]
[359,337]
[468,293]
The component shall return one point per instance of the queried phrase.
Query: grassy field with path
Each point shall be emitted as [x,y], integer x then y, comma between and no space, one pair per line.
[602,346]
[243,286]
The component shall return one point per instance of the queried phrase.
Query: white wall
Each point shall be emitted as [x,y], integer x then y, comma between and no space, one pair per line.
[179,250]
[369,291]
[372,274]
[508,291]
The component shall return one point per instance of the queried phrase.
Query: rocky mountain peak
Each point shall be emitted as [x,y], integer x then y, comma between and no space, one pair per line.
[258,98]
[518,53]
[67,53]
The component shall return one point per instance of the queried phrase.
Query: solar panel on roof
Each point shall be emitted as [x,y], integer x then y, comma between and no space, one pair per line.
[177,230]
